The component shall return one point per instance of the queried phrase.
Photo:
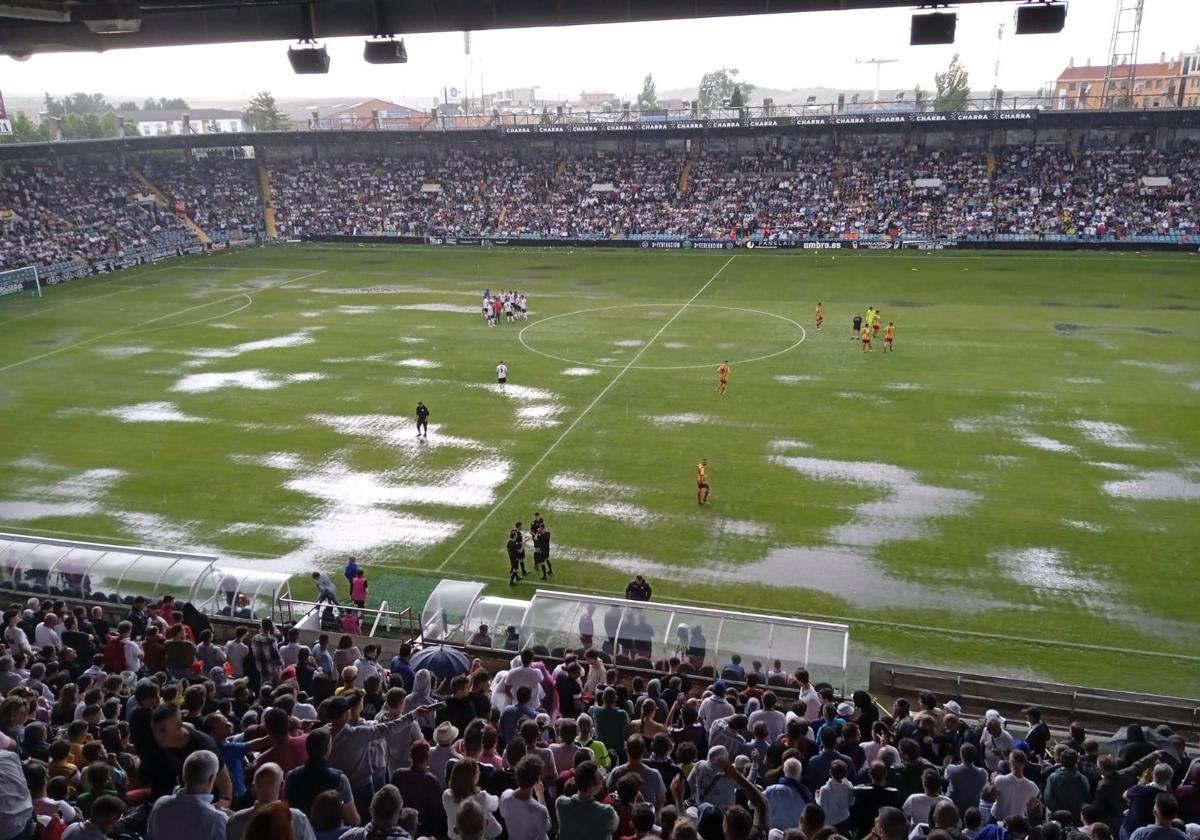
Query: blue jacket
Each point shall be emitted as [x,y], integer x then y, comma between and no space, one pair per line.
[786,800]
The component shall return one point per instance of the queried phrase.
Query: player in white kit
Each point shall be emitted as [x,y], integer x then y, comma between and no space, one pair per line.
[502,373]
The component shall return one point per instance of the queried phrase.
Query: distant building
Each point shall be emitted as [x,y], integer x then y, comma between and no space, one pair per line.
[594,100]
[371,114]
[200,121]
[1160,84]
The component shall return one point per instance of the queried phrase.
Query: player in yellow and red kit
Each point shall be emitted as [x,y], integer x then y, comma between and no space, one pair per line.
[875,324]
[865,335]
[722,377]
[888,335]
[820,316]
[702,481]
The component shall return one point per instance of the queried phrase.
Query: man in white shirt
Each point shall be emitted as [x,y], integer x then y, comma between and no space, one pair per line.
[502,373]
[47,633]
[368,666]
[524,674]
[775,720]
[523,810]
[1013,790]
[236,653]
[995,742]
[809,697]
[715,707]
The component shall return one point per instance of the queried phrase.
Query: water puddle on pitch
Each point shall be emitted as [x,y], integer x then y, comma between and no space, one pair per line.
[580,371]
[687,418]
[1156,485]
[251,380]
[1107,434]
[151,412]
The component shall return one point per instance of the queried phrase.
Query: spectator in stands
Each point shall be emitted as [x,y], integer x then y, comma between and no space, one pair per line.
[1166,811]
[580,815]
[268,785]
[965,780]
[1066,788]
[190,814]
[386,808]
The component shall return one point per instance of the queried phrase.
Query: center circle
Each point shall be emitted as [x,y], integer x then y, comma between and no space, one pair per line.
[644,346]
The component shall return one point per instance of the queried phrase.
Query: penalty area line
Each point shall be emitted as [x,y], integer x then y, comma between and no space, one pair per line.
[567,431]
[137,327]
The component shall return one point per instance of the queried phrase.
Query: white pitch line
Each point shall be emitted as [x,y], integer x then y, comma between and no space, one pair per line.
[546,454]
[133,327]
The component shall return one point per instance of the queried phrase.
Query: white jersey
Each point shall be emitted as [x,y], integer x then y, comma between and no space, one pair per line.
[502,371]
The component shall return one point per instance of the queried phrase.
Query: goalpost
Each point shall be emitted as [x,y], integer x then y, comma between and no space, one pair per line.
[18,280]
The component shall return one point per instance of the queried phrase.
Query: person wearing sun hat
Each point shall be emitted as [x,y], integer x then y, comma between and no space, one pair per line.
[444,737]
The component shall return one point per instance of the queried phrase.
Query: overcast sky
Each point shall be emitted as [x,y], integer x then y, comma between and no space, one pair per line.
[779,51]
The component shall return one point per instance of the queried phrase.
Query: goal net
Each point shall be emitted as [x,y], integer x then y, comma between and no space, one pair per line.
[19,280]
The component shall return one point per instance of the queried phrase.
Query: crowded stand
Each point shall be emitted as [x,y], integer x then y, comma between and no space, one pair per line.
[92,210]
[218,193]
[148,721]
[78,209]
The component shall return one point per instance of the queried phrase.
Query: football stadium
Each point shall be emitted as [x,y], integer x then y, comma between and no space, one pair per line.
[737,468]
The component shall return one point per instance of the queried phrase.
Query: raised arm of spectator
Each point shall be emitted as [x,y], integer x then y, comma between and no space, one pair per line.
[753,795]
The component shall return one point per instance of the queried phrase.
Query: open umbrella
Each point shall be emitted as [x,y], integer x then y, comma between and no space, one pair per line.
[440,661]
[1121,739]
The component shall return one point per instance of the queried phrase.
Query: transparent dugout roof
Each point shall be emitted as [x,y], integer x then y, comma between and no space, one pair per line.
[97,572]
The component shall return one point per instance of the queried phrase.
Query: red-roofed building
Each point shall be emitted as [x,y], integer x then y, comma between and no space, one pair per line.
[1159,84]
[373,114]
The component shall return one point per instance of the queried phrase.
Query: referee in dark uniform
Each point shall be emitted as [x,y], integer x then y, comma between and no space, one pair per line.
[422,420]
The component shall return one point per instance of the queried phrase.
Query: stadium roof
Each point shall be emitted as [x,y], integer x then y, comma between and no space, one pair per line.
[35,26]
[1096,72]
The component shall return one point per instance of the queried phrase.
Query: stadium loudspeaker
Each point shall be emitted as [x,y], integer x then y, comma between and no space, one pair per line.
[385,51]
[308,60]
[933,28]
[1041,18]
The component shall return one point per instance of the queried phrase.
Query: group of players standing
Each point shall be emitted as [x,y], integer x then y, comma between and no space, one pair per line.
[864,328]
[510,305]
[539,539]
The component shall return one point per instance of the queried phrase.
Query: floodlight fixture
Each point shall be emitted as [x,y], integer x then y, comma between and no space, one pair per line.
[933,28]
[1046,17]
[112,18]
[385,50]
[308,58]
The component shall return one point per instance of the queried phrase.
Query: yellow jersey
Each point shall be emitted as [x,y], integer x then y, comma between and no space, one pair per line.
[723,372]
[702,474]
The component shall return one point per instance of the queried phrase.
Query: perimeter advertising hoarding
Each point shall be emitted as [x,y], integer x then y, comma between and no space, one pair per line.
[699,123]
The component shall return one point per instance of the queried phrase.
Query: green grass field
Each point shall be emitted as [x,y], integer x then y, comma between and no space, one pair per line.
[1015,489]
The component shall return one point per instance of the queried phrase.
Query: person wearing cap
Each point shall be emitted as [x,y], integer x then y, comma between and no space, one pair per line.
[422,790]
[715,706]
[995,742]
[709,781]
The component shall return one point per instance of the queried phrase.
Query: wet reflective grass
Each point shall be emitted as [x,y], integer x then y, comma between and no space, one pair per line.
[1001,494]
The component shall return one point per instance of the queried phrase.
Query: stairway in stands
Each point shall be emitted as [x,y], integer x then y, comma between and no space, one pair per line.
[268,202]
[684,177]
[560,170]
[150,187]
